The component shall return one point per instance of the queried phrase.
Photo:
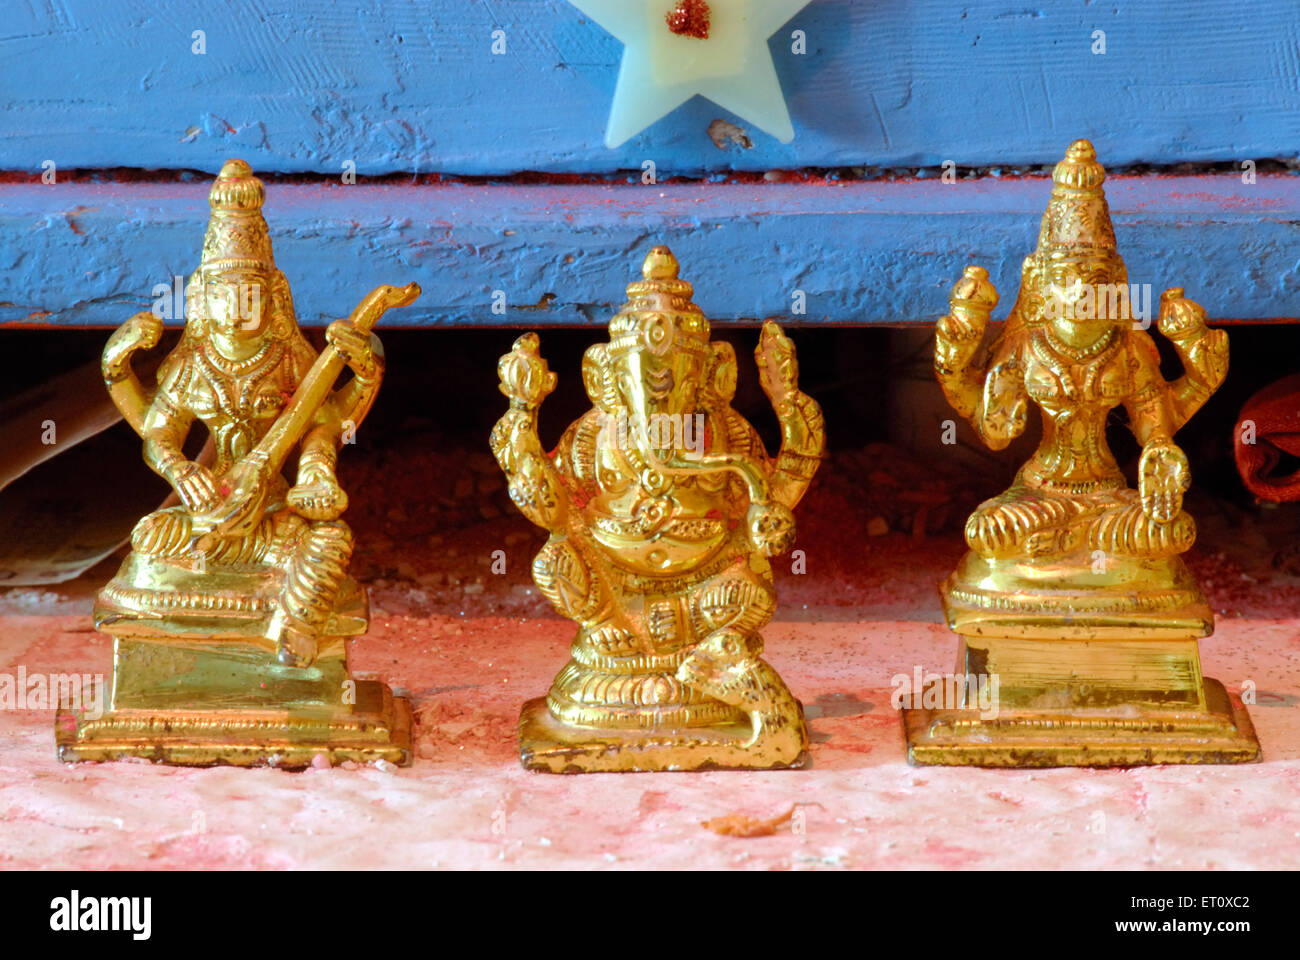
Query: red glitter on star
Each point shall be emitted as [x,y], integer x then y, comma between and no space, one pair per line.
[690,18]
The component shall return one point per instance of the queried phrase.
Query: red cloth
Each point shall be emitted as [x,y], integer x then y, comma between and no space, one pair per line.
[1275,414]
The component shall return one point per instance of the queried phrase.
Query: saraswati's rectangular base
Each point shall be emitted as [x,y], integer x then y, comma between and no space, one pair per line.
[378,728]
[209,703]
[547,746]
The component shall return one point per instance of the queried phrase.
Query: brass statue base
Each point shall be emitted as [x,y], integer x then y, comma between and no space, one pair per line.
[549,746]
[208,689]
[1219,732]
[1105,678]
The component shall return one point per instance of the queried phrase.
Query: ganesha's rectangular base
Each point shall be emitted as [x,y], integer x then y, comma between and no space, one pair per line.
[378,727]
[547,746]
[1121,736]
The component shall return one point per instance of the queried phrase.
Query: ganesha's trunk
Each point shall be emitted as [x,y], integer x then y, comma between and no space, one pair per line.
[673,459]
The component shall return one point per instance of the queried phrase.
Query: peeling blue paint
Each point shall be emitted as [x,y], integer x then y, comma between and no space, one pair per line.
[81,254]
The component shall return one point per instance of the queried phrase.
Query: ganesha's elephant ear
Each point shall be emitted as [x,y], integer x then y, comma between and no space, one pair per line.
[720,380]
[129,395]
[597,379]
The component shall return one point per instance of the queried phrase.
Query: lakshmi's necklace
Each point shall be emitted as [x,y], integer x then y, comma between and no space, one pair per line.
[1079,354]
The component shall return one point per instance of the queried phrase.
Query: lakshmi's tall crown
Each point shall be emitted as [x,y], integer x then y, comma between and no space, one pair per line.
[659,315]
[1077,222]
[237,235]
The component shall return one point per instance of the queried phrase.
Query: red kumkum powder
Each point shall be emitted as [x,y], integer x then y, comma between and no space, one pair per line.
[690,18]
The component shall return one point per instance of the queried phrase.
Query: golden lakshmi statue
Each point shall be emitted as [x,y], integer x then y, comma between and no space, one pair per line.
[231,614]
[1074,597]
[663,508]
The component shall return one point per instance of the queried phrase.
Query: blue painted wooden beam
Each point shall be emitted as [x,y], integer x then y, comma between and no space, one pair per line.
[88,254]
[391,85]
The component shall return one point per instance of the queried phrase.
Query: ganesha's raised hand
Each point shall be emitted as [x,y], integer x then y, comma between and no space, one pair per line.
[1180,317]
[960,332]
[1163,478]
[525,377]
[778,369]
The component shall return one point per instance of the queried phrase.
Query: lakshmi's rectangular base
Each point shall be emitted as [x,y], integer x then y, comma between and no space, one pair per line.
[1118,736]
[376,727]
[547,746]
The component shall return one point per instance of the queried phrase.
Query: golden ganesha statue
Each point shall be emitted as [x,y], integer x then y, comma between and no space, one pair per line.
[231,614]
[1074,595]
[662,507]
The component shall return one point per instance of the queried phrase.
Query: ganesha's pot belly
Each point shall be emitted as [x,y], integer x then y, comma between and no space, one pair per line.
[681,547]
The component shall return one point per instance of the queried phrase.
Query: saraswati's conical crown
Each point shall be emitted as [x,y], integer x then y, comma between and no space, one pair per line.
[659,315]
[237,236]
[1077,222]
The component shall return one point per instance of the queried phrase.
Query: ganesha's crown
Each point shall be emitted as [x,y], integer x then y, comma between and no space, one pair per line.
[237,236]
[659,315]
[1077,222]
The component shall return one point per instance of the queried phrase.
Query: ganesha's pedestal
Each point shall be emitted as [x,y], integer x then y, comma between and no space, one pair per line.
[1104,673]
[1078,621]
[694,701]
[663,508]
[547,745]
[196,682]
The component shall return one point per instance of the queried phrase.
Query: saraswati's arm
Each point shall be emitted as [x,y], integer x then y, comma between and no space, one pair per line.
[338,418]
[164,429]
[140,332]
[351,403]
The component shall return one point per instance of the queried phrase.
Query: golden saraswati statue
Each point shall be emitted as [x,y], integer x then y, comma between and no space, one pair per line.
[1073,605]
[663,508]
[231,614]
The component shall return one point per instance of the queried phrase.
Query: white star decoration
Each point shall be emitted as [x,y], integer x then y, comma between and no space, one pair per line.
[662,69]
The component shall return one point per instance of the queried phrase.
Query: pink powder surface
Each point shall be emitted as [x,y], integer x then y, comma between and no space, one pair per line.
[466,803]
[469,645]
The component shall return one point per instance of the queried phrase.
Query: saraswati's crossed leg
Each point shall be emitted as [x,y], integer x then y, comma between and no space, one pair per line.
[314,557]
